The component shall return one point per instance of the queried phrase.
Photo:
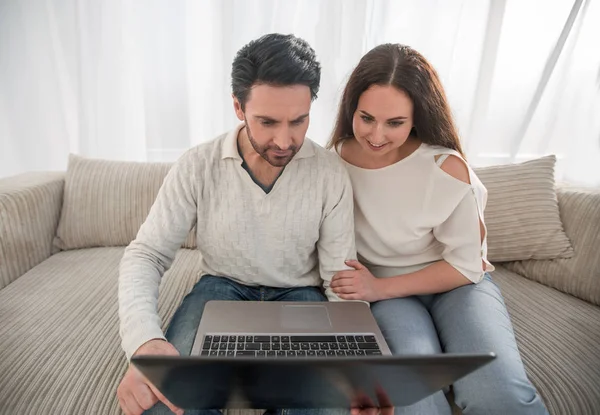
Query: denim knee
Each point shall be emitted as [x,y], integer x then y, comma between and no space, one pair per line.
[514,399]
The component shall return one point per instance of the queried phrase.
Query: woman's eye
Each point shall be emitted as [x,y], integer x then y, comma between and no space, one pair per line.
[366,119]
[395,123]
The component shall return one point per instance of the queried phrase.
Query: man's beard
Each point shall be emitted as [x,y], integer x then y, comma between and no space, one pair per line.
[272,159]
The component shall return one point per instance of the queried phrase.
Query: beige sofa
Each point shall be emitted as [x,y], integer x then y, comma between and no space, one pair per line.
[62,236]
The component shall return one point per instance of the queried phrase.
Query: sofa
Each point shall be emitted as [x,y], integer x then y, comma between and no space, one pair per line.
[62,235]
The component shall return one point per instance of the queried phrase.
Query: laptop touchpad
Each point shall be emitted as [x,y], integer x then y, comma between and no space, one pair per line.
[305,317]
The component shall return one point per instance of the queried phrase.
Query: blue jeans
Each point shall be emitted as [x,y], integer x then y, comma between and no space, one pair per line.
[468,319]
[182,329]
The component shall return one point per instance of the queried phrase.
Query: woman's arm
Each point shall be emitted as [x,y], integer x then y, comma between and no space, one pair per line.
[436,278]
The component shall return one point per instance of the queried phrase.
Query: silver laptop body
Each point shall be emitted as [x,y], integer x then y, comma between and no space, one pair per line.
[239,328]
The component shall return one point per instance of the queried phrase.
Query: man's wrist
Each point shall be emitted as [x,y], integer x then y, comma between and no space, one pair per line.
[146,345]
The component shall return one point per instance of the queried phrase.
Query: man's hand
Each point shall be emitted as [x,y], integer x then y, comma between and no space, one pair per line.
[357,284]
[136,393]
[363,405]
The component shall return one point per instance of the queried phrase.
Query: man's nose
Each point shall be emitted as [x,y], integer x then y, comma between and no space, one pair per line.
[283,138]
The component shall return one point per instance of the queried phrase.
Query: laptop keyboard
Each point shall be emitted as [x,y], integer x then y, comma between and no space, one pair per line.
[340,345]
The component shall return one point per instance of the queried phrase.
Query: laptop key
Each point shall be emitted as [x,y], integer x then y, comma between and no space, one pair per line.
[206,345]
[368,346]
[271,353]
[344,346]
[321,353]
[266,346]
[290,353]
[314,346]
[324,346]
[230,346]
[231,353]
[312,339]
[214,346]
[252,346]
[261,353]
[222,346]
[304,346]
[295,346]
[341,339]
[330,353]
[373,352]
[204,353]
[350,338]
[285,346]
[340,353]
[360,352]
[248,338]
[214,353]
[311,353]
[259,339]
[334,346]
[222,353]
[353,346]
[359,339]
[241,339]
[285,338]
[350,353]
[217,339]
[275,339]
[301,353]
[281,353]
[370,339]
[245,353]
[276,346]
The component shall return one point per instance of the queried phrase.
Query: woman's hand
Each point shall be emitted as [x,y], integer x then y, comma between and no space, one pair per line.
[357,284]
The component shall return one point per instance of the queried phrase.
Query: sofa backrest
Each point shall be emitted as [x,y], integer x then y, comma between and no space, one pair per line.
[106,202]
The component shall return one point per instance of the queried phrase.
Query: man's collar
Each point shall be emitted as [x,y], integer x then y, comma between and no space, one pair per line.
[230,147]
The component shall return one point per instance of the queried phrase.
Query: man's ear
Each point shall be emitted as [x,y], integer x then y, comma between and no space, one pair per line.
[237,107]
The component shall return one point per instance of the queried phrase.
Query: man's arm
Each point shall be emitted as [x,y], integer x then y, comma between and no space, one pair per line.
[147,258]
[336,237]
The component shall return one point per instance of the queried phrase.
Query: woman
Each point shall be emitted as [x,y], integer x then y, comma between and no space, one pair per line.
[420,232]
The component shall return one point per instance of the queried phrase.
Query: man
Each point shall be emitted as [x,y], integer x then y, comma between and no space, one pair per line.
[273,213]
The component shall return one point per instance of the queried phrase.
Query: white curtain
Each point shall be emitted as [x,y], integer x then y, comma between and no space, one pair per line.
[147,79]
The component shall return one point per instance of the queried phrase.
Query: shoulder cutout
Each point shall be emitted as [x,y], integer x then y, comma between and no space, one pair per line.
[456,168]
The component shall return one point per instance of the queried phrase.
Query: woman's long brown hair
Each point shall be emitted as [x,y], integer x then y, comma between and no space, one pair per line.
[407,70]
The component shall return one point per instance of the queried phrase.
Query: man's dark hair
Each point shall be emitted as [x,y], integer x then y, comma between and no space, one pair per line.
[275,59]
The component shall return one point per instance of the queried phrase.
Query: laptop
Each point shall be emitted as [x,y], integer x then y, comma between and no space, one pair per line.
[288,329]
[279,355]
[200,382]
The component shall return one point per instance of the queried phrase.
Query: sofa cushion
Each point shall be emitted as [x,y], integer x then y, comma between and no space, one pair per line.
[106,202]
[60,348]
[579,275]
[522,216]
[558,337]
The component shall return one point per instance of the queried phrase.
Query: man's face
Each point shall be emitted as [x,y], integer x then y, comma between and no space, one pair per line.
[276,119]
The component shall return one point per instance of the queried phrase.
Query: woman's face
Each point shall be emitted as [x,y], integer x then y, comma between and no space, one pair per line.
[382,120]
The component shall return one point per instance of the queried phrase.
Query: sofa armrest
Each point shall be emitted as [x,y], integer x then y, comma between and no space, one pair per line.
[579,275]
[30,207]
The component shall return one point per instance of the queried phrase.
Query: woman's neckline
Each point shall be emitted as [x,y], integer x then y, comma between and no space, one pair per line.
[399,162]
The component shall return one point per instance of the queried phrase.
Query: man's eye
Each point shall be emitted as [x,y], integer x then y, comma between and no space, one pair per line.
[267,123]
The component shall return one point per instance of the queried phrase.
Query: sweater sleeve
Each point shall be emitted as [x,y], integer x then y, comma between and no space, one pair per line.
[148,257]
[461,238]
[336,235]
